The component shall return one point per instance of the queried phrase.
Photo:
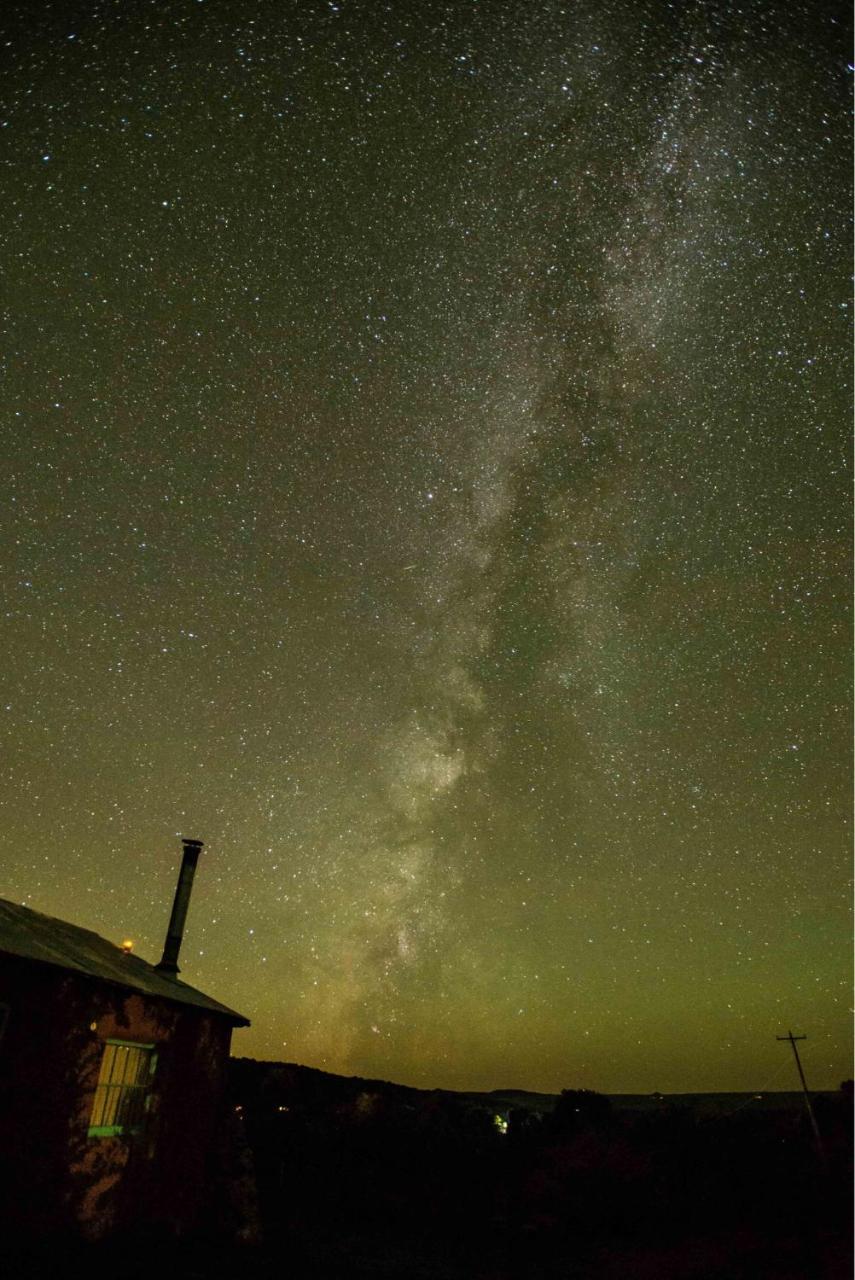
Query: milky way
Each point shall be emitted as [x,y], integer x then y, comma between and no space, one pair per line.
[426,481]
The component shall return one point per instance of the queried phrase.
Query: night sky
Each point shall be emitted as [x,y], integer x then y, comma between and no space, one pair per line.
[426,480]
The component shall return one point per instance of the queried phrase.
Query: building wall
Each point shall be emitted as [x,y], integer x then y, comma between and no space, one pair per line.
[56,1175]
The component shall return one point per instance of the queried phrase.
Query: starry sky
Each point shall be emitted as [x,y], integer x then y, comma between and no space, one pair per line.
[425,452]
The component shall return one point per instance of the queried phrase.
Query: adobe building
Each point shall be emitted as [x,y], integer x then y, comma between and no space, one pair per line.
[112,1078]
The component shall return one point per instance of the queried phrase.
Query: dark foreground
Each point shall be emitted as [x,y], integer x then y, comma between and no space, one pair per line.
[386,1184]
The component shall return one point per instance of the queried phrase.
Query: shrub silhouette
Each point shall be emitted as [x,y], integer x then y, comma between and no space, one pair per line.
[579,1109]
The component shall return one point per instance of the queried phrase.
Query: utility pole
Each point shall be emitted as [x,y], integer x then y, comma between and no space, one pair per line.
[814,1126]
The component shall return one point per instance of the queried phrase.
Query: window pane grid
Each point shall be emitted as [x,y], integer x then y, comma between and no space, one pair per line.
[123,1085]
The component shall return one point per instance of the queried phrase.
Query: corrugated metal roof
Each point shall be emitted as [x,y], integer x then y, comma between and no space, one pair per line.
[33,936]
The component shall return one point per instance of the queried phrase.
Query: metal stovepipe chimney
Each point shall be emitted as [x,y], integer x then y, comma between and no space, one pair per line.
[181,901]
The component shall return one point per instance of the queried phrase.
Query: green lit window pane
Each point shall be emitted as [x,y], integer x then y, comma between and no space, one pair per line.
[124,1085]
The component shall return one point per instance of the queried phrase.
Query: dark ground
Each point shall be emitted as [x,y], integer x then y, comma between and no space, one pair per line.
[357,1180]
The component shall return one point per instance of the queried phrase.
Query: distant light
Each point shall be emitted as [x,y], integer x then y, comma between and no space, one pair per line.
[127,946]
[501,1123]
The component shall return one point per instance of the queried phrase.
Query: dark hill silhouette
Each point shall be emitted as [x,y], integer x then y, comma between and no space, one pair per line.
[290,1083]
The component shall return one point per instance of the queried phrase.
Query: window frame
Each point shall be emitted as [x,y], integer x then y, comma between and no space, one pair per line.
[117,1097]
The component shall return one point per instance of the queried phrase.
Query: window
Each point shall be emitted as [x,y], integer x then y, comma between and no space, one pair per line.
[123,1090]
